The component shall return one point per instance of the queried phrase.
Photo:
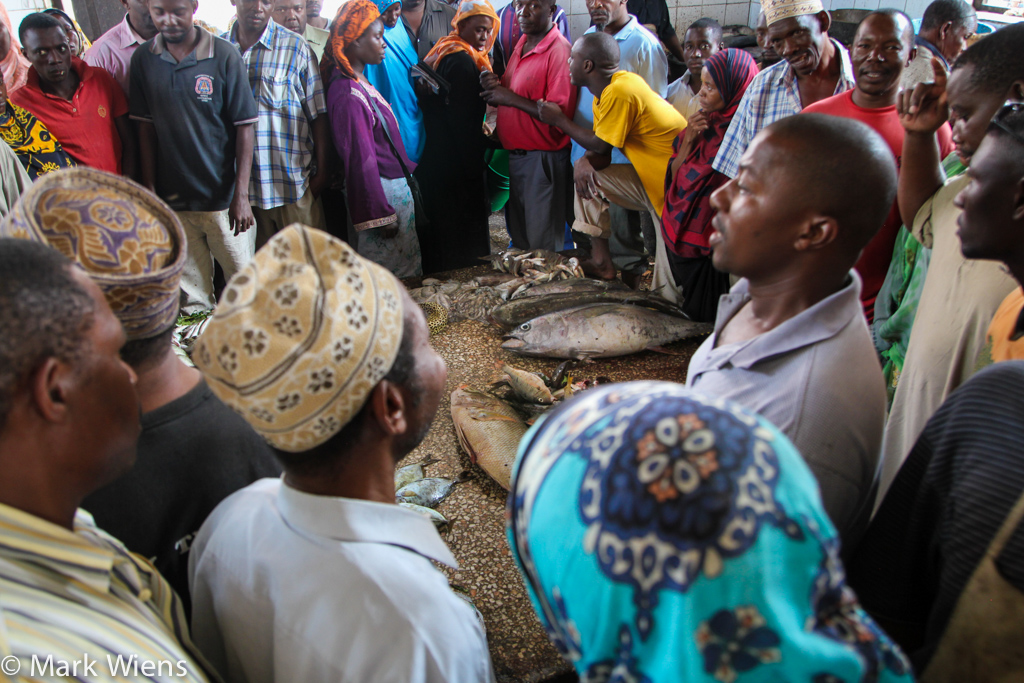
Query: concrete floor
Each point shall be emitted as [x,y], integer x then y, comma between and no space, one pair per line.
[476,509]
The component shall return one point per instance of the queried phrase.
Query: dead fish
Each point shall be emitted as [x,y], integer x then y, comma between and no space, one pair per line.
[558,379]
[434,516]
[527,385]
[492,279]
[410,473]
[600,331]
[517,311]
[473,303]
[570,285]
[427,492]
[489,430]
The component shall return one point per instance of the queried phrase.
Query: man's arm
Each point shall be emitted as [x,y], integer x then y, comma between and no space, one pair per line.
[551,114]
[147,154]
[674,47]
[321,150]
[240,213]
[498,95]
[922,112]
[129,153]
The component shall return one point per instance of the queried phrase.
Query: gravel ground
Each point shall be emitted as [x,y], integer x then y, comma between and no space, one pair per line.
[519,646]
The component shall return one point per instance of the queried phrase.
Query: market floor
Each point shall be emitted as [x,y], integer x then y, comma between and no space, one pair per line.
[519,646]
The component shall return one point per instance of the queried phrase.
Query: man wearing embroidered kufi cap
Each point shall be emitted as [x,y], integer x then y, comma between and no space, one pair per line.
[319,575]
[813,67]
[193,451]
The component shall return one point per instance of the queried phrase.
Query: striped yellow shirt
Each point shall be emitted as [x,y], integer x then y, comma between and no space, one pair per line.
[79,605]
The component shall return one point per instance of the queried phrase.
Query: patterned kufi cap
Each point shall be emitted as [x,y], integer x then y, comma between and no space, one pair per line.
[128,241]
[301,336]
[777,10]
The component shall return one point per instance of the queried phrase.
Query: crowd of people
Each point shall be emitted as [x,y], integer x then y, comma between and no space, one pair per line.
[835,494]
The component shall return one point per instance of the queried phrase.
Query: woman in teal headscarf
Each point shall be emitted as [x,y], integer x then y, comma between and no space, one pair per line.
[668,537]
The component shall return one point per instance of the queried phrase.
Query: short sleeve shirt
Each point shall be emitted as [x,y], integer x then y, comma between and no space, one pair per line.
[113,51]
[541,74]
[194,106]
[631,116]
[774,94]
[85,125]
[285,80]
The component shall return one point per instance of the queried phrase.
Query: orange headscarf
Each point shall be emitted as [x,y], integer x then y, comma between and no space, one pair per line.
[14,65]
[353,18]
[452,43]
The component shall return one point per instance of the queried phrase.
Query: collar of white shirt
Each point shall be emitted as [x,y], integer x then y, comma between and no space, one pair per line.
[362,521]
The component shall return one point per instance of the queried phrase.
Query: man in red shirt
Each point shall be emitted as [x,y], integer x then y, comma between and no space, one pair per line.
[82,106]
[540,174]
[882,48]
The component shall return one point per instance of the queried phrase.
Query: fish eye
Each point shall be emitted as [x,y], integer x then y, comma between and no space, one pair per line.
[525,327]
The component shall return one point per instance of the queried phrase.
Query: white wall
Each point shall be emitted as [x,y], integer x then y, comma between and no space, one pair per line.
[726,12]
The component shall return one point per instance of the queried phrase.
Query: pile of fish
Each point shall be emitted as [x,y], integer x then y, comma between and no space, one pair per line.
[418,492]
[490,424]
[187,329]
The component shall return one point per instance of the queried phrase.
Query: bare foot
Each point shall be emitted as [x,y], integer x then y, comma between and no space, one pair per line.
[601,270]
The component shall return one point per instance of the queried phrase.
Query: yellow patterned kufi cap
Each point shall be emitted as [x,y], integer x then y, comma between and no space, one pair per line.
[301,336]
[777,10]
[129,242]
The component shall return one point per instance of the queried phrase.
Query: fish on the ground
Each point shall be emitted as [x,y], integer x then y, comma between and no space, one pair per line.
[600,331]
[579,284]
[489,430]
[428,492]
[517,311]
[410,473]
[527,385]
[434,516]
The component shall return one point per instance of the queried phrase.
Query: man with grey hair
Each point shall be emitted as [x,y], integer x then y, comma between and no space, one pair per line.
[946,28]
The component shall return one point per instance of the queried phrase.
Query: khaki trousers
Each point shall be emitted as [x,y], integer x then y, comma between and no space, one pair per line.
[307,210]
[621,185]
[209,236]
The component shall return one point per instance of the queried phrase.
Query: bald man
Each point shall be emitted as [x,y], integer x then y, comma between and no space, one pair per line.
[627,115]
[815,189]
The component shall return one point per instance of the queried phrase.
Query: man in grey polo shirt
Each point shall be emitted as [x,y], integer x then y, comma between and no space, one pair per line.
[791,341]
[190,94]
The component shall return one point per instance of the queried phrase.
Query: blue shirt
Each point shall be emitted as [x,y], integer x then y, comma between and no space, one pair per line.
[285,81]
[392,80]
[774,94]
[641,53]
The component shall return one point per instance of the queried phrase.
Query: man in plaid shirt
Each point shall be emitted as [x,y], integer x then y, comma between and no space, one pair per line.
[813,67]
[290,162]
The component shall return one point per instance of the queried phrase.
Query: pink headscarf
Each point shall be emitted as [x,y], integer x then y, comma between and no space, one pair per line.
[15,67]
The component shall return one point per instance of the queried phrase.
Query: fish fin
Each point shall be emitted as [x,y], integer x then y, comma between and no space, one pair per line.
[662,349]
[489,416]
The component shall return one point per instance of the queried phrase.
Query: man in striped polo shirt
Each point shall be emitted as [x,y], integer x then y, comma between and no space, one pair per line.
[73,601]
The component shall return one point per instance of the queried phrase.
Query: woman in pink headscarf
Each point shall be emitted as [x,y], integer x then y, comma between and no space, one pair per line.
[15,67]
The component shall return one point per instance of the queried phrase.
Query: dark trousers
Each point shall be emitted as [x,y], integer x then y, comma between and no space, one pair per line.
[540,198]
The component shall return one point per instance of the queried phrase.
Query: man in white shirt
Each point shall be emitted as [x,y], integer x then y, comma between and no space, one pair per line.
[320,576]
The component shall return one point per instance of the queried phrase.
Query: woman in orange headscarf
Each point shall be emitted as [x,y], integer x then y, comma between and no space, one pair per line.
[452,167]
[14,65]
[372,157]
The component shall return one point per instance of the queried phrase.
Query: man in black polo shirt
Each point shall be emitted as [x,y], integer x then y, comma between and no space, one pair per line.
[191,96]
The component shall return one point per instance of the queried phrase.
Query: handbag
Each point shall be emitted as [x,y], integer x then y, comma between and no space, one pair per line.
[422,222]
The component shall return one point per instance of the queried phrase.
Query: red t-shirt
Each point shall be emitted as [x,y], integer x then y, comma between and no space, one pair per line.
[874,262]
[543,74]
[85,125]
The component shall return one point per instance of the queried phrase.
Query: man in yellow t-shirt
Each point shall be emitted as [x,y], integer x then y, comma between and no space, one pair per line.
[630,116]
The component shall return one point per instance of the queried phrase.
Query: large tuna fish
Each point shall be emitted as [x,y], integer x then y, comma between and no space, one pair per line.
[489,431]
[516,312]
[599,331]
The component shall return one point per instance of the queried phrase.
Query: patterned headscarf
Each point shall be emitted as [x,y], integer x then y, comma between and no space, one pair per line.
[686,217]
[301,336]
[129,242]
[384,5]
[14,65]
[353,18]
[668,537]
[777,10]
[83,42]
[453,43]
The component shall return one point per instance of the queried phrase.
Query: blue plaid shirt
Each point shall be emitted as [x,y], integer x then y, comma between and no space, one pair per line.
[771,96]
[285,81]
